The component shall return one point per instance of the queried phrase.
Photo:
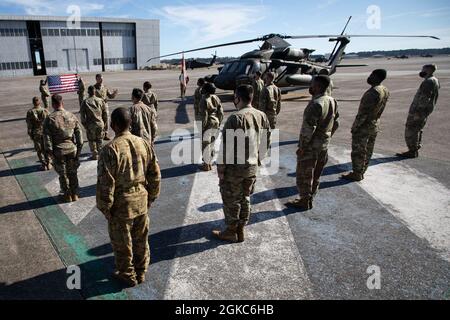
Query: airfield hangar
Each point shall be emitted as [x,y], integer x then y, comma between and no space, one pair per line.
[47,45]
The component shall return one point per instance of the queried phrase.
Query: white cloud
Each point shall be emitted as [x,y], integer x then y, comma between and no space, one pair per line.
[213,21]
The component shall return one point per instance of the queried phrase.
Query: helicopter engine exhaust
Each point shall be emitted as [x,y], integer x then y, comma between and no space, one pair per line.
[299,79]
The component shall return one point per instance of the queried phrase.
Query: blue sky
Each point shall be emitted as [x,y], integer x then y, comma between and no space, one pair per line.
[188,24]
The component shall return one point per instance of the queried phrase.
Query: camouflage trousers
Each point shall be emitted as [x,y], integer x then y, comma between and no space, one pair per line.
[236,188]
[208,142]
[45,101]
[39,147]
[362,150]
[414,131]
[95,137]
[309,169]
[129,240]
[67,168]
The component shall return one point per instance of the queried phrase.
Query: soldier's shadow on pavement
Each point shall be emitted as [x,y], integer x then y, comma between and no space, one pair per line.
[20,171]
[181,116]
[96,280]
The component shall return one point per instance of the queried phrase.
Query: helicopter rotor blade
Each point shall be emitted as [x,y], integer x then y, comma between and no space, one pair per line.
[342,33]
[360,36]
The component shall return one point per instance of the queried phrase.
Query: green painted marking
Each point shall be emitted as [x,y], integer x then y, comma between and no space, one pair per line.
[69,243]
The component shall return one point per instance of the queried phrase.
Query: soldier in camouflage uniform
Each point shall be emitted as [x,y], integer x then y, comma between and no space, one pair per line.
[237,169]
[143,119]
[198,97]
[35,121]
[45,94]
[366,126]
[63,142]
[258,86]
[421,108]
[270,99]
[128,183]
[104,93]
[320,122]
[94,119]
[150,98]
[211,114]
[81,91]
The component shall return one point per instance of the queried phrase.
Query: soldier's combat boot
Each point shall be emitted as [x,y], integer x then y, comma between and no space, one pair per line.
[106,138]
[140,278]
[229,235]
[240,233]
[126,280]
[66,198]
[353,176]
[303,204]
[94,157]
[205,167]
[75,197]
[408,154]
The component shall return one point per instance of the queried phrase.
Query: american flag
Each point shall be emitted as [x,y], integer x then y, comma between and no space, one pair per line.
[62,84]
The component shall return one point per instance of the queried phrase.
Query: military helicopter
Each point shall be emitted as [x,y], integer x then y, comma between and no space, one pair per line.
[293,67]
[194,64]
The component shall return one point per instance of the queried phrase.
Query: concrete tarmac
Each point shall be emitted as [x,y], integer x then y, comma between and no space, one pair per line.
[397,221]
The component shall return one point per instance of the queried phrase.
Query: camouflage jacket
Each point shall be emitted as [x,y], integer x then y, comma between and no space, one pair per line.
[258,86]
[62,133]
[143,122]
[426,97]
[211,111]
[250,125]
[128,177]
[320,121]
[150,99]
[35,120]
[81,88]
[104,93]
[93,113]
[371,108]
[44,91]
[270,100]
[330,89]
[197,100]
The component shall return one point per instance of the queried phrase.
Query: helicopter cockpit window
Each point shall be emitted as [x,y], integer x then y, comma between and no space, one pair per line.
[233,67]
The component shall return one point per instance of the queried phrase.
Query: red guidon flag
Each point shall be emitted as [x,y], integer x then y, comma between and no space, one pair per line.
[63,83]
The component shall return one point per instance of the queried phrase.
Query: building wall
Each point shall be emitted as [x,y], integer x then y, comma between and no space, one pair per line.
[119,46]
[15,55]
[147,41]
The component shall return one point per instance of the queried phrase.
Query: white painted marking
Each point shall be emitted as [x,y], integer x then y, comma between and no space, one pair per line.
[418,200]
[256,269]
[77,211]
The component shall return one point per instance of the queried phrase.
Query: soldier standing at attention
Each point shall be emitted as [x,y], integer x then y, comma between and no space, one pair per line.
[81,91]
[45,94]
[94,119]
[421,108]
[211,114]
[63,142]
[35,121]
[150,98]
[270,100]
[143,119]
[320,122]
[258,86]
[238,169]
[198,97]
[128,183]
[104,93]
[366,126]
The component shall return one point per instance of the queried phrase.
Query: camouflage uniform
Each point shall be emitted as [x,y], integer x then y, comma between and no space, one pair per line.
[197,99]
[35,120]
[320,121]
[366,126]
[81,91]
[128,182]
[258,86]
[270,103]
[45,95]
[143,122]
[421,108]
[330,89]
[94,119]
[240,169]
[104,93]
[62,140]
[211,114]
[151,99]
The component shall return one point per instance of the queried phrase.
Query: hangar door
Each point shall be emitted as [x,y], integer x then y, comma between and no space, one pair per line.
[77,59]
